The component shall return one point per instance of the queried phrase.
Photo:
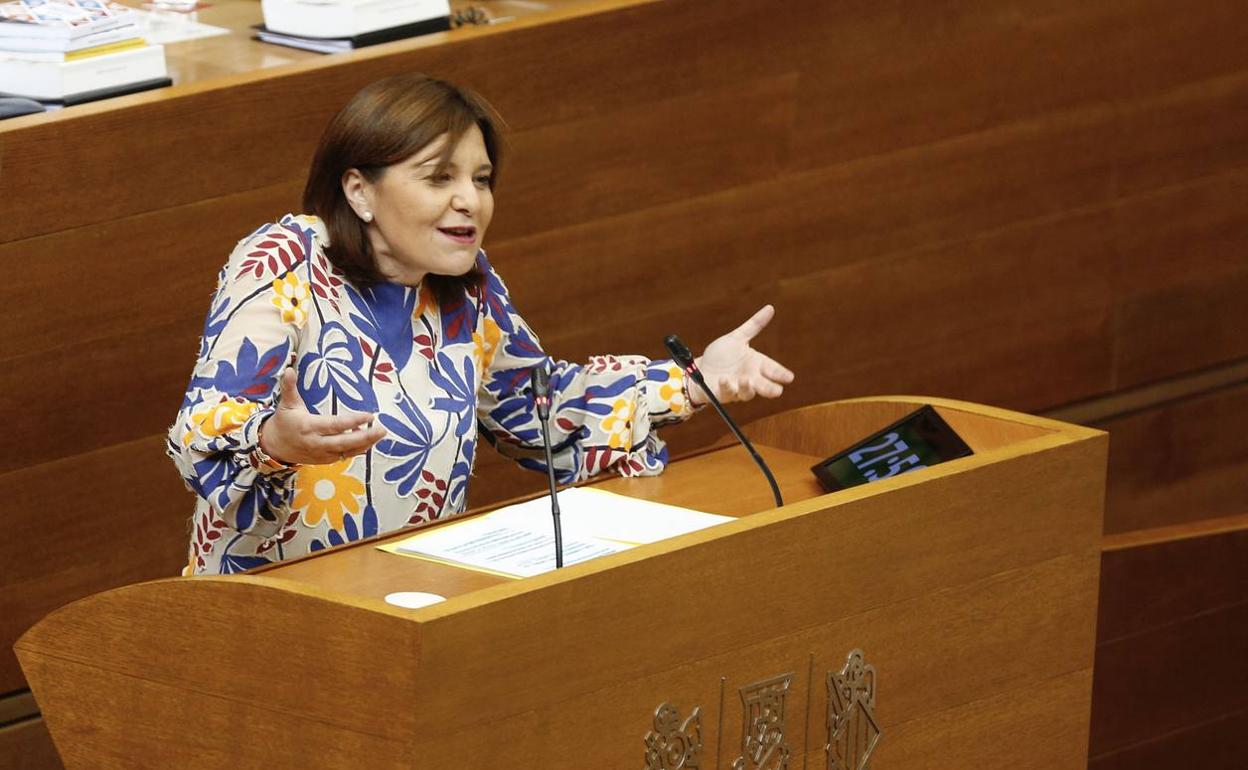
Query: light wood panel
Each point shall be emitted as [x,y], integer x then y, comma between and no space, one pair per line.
[954,634]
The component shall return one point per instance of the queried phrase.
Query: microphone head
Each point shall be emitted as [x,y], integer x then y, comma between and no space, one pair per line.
[679,350]
[539,378]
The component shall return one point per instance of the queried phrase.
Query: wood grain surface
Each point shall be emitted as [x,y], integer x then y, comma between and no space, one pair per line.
[1031,203]
[962,623]
[1176,606]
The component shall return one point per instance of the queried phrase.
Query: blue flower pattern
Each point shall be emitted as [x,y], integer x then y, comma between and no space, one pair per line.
[357,352]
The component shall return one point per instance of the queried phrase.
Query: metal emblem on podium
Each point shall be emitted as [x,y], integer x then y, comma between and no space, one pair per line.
[852,730]
[763,745]
[673,744]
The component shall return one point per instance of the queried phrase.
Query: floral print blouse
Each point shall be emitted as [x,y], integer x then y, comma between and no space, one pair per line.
[434,375]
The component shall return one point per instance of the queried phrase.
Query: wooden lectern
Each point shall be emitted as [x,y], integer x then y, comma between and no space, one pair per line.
[965,592]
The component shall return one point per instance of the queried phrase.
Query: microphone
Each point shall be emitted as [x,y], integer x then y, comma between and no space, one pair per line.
[684,358]
[539,379]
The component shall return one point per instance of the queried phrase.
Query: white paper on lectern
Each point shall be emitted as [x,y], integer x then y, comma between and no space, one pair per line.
[519,539]
[590,512]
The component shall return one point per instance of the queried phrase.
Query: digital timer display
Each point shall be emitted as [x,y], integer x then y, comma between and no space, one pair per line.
[921,439]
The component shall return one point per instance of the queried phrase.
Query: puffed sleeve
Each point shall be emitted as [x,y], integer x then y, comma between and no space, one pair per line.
[260,303]
[603,413]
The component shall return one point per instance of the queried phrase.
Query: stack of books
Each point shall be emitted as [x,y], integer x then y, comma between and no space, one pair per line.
[329,26]
[63,52]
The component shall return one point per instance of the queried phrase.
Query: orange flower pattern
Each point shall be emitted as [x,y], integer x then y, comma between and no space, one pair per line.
[431,371]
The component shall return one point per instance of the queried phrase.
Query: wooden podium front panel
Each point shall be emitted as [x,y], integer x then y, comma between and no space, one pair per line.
[965,596]
[970,587]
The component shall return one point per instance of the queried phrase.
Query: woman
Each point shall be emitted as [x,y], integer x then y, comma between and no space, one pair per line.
[349,357]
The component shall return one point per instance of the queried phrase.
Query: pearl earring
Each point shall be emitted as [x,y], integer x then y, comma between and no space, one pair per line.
[367,216]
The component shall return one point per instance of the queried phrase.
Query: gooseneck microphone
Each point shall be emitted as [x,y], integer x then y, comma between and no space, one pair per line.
[684,358]
[539,378]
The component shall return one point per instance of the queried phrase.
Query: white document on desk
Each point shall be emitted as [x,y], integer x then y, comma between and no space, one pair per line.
[519,540]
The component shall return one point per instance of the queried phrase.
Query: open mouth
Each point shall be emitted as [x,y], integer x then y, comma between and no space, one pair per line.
[459,234]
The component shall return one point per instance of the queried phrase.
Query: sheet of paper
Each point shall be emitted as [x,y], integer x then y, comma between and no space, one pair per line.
[590,512]
[519,540]
[165,27]
[521,551]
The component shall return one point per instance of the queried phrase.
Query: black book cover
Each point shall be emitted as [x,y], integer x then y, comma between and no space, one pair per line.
[377,36]
[69,100]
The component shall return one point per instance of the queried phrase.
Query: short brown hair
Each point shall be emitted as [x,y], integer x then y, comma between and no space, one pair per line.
[386,123]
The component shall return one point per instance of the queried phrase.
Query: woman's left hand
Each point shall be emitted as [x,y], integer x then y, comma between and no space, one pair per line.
[734,371]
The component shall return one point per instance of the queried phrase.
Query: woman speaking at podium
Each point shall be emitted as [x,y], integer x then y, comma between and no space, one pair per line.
[350,354]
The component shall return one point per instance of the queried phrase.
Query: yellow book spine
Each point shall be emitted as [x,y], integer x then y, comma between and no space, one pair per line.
[100,50]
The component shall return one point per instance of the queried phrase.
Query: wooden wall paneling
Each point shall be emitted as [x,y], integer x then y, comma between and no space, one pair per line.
[1193,324]
[1188,232]
[1179,462]
[84,524]
[130,276]
[886,76]
[956,189]
[1196,130]
[652,37]
[937,70]
[645,155]
[1171,608]
[1024,373]
[1146,587]
[655,260]
[26,745]
[621,55]
[1175,676]
[1024,298]
[1219,744]
[147,170]
[90,395]
[804,223]
[14,707]
[1166,45]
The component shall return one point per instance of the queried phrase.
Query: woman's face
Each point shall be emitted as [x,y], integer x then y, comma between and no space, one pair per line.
[427,220]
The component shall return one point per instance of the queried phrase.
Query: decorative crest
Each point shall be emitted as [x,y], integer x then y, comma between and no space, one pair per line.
[672,744]
[852,729]
[762,734]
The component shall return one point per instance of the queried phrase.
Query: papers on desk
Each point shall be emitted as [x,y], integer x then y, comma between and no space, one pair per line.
[167,27]
[519,541]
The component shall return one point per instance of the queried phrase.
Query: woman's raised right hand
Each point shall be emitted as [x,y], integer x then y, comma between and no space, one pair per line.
[295,436]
